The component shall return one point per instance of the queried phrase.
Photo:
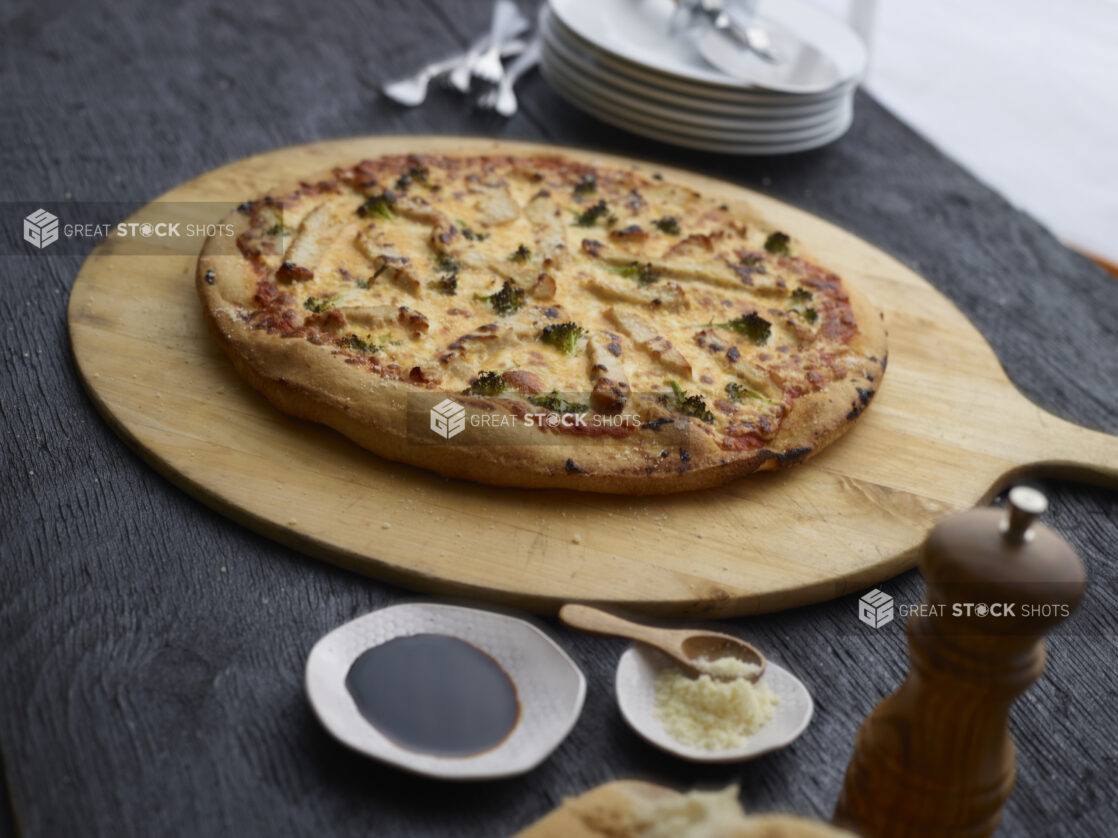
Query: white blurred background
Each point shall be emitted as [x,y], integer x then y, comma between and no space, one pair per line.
[1024,93]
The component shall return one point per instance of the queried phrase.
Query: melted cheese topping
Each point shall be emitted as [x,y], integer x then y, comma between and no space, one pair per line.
[442,270]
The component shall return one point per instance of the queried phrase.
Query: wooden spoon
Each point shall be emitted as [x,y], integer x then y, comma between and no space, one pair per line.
[684,646]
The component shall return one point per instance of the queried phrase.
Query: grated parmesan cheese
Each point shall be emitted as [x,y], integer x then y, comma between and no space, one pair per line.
[710,713]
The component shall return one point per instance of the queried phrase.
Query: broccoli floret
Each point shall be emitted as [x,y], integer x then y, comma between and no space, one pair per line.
[379,206]
[644,274]
[446,285]
[669,225]
[777,243]
[563,336]
[521,254]
[557,404]
[739,393]
[487,383]
[319,304]
[416,174]
[801,297]
[587,185]
[277,229]
[752,325]
[352,341]
[590,216]
[509,299]
[445,263]
[695,405]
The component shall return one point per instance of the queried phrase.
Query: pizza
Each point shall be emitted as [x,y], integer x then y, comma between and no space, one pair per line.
[541,321]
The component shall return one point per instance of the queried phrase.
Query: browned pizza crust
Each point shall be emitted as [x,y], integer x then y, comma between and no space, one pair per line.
[320,366]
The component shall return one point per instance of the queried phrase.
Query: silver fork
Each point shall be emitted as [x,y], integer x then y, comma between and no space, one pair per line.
[502,98]
[484,60]
[412,91]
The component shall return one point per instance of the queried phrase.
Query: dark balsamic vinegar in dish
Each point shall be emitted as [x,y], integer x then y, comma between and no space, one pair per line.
[435,694]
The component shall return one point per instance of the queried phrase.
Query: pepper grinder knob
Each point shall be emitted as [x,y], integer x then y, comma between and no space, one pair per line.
[1023,506]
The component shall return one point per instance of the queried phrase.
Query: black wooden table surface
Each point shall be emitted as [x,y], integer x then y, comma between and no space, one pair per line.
[143,691]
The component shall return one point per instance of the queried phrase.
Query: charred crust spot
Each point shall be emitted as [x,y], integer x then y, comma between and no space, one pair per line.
[657,424]
[614,348]
[864,395]
[733,354]
[665,453]
[792,455]
[572,468]
[592,247]
[209,277]
[684,455]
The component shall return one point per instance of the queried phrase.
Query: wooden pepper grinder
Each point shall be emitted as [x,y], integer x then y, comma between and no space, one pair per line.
[935,759]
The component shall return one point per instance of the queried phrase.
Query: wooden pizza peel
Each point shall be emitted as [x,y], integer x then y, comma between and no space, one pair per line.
[946,431]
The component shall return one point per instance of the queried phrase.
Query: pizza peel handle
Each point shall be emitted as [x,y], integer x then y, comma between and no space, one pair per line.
[1058,448]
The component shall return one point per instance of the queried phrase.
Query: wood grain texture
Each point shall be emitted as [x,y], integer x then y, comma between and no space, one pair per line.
[145,691]
[945,431]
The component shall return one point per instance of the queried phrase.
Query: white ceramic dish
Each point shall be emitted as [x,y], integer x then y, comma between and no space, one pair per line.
[637,31]
[635,684]
[549,685]
[675,106]
[677,135]
[733,96]
[692,120]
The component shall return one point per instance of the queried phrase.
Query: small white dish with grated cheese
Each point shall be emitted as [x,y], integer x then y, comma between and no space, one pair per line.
[637,674]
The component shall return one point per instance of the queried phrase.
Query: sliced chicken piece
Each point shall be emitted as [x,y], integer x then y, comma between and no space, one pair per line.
[495,206]
[757,379]
[702,266]
[317,231]
[543,288]
[646,336]
[546,217]
[607,374]
[524,381]
[443,231]
[666,295]
[734,362]
[465,355]
[388,263]
[369,318]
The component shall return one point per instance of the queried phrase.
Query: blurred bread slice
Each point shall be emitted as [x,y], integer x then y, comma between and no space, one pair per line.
[633,809]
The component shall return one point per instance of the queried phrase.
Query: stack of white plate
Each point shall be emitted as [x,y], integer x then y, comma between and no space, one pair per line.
[615,60]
